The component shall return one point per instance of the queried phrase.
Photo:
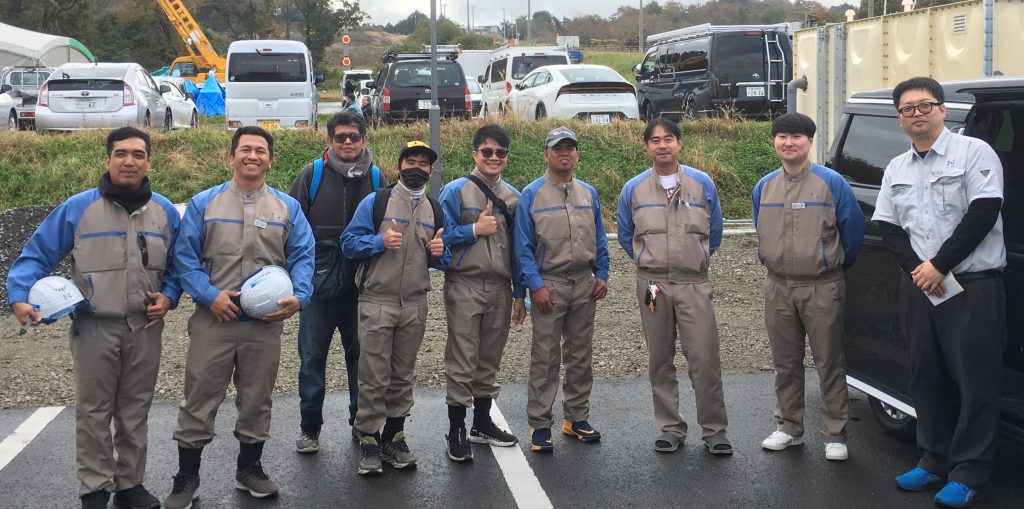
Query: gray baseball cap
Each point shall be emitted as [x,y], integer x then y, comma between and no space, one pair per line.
[558,134]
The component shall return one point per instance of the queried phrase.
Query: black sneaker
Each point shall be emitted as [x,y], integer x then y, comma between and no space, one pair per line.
[95,499]
[135,497]
[369,456]
[396,451]
[490,433]
[458,448]
[185,490]
[254,479]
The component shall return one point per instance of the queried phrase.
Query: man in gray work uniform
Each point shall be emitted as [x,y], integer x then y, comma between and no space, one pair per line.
[939,212]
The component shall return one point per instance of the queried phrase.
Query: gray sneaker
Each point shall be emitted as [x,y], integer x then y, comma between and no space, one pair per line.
[308,442]
[184,492]
[397,452]
[369,456]
[253,479]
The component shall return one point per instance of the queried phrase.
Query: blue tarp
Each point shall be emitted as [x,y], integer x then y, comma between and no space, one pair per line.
[210,100]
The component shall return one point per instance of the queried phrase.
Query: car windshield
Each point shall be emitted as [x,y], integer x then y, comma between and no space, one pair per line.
[417,74]
[474,87]
[584,74]
[267,67]
[522,65]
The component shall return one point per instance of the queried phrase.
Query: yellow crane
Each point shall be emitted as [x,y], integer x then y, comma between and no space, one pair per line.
[201,56]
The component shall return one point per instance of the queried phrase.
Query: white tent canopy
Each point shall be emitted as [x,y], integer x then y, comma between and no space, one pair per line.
[25,47]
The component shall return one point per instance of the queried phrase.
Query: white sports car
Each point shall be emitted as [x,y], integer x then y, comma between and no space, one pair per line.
[184,114]
[587,92]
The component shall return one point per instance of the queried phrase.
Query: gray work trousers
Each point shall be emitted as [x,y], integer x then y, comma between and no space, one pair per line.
[478,325]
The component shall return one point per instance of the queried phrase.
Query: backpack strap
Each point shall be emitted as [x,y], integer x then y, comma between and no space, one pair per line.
[438,212]
[380,204]
[375,177]
[314,183]
[498,203]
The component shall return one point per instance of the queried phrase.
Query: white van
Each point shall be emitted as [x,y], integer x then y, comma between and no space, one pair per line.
[271,84]
[508,66]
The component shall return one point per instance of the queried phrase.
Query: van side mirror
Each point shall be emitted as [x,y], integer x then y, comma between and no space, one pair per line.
[481,79]
[636,70]
[6,88]
[319,78]
[189,95]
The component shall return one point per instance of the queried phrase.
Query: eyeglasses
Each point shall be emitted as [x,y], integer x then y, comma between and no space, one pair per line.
[923,108]
[343,137]
[488,152]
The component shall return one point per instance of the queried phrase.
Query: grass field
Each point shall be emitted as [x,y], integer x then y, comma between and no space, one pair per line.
[46,169]
[621,61]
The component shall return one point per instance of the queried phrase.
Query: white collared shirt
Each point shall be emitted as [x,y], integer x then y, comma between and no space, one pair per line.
[928,197]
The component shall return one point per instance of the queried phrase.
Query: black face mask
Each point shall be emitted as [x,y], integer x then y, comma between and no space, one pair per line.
[414,178]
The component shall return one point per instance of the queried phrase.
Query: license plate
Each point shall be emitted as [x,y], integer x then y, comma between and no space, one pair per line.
[423,104]
[755,91]
[601,119]
[86,104]
[269,125]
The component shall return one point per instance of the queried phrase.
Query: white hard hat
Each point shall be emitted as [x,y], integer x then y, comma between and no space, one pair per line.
[263,289]
[55,297]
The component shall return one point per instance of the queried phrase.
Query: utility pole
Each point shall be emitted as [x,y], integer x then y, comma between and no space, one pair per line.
[469,24]
[529,14]
[434,114]
[640,39]
[503,36]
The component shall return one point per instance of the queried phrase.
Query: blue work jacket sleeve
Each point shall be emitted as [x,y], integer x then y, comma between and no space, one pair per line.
[624,220]
[300,251]
[360,239]
[171,284]
[54,238]
[849,219]
[603,261]
[755,200]
[715,211]
[187,255]
[525,242]
[455,234]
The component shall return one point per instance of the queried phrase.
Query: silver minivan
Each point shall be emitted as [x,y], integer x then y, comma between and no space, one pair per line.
[100,95]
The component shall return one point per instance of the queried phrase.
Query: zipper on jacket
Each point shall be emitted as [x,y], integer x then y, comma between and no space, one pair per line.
[143,249]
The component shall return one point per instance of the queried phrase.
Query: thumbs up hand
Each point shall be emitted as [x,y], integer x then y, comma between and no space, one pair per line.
[486,225]
[436,245]
[393,237]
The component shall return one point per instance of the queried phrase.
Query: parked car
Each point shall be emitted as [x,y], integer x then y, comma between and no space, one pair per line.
[586,92]
[20,85]
[401,90]
[877,356]
[707,69]
[476,96]
[99,95]
[184,114]
[508,66]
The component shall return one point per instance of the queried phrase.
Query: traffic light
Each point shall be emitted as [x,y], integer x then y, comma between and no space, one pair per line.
[345,40]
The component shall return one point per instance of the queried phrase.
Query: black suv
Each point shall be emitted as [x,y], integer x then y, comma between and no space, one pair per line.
[401,90]
[877,356]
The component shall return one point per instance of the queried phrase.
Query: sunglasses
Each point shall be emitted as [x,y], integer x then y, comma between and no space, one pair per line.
[343,137]
[488,152]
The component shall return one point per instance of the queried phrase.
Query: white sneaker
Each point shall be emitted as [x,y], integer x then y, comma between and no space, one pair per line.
[835,451]
[778,441]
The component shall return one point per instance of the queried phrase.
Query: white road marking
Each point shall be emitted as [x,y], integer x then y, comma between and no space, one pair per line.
[519,477]
[15,442]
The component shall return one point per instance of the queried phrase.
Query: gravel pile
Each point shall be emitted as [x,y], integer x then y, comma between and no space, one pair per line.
[16,226]
[36,369]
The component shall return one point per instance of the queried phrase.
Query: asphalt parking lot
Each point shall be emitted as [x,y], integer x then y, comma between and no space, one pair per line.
[620,471]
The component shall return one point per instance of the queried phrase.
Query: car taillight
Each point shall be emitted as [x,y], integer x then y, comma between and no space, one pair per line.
[301,124]
[44,96]
[234,124]
[129,95]
[508,87]
[469,101]
[385,99]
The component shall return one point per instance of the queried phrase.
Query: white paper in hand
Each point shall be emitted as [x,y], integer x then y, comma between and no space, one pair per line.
[952,289]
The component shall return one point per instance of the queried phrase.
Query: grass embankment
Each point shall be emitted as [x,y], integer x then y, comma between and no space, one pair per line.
[621,61]
[46,169]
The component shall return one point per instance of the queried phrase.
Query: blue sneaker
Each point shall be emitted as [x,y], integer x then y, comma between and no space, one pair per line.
[540,440]
[581,430]
[919,479]
[955,494]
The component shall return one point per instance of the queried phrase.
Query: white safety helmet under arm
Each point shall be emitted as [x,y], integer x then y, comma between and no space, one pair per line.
[260,293]
[54,297]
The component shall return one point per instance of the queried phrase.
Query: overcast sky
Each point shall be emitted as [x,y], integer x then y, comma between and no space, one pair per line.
[489,12]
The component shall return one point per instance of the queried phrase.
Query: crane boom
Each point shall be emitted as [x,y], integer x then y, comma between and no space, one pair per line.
[201,52]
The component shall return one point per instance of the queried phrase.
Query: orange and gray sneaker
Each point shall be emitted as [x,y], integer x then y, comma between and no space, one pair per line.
[581,430]
[540,440]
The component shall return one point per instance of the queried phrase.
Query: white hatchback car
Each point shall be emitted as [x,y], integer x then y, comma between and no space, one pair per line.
[100,95]
[586,92]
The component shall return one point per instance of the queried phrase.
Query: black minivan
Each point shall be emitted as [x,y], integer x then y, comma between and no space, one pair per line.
[714,70]
[868,136]
[401,90]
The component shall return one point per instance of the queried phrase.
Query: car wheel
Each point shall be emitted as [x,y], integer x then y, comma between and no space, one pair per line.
[194,123]
[541,112]
[168,121]
[895,422]
[12,121]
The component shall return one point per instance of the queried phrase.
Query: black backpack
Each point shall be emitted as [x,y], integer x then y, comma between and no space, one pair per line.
[380,207]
